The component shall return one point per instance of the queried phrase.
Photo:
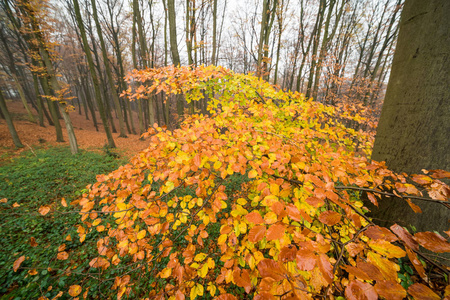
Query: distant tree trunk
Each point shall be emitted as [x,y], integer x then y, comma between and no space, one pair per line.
[174,47]
[108,72]
[9,122]
[413,131]
[214,33]
[93,74]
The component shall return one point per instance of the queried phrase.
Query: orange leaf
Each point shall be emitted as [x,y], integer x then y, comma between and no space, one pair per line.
[256,233]
[422,292]
[390,290]
[294,213]
[357,272]
[414,207]
[242,279]
[254,217]
[32,272]
[325,268]
[74,290]
[377,232]
[18,262]
[372,199]
[226,297]
[306,259]
[405,236]
[62,255]
[275,232]
[314,201]
[417,264]
[271,268]
[63,202]
[330,217]
[432,241]
[353,248]
[357,290]
[43,210]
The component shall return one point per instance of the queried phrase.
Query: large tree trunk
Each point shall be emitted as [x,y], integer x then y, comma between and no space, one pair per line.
[413,132]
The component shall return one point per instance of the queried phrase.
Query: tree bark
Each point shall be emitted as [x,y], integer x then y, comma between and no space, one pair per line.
[9,122]
[413,131]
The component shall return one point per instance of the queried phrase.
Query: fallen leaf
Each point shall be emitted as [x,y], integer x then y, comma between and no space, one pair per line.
[43,210]
[357,290]
[18,262]
[74,290]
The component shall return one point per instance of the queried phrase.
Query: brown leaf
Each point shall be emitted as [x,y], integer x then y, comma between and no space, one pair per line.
[353,248]
[390,290]
[270,268]
[357,290]
[422,292]
[370,270]
[242,279]
[432,241]
[325,268]
[306,259]
[256,233]
[33,242]
[416,264]
[275,232]
[377,232]
[357,272]
[405,236]
[388,268]
[254,217]
[288,253]
[330,217]
[372,199]
[18,262]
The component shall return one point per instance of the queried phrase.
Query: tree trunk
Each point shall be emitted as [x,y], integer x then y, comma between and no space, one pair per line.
[93,74]
[9,122]
[108,72]
[413,131]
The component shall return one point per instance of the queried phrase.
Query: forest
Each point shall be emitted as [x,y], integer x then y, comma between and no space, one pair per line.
[204,149]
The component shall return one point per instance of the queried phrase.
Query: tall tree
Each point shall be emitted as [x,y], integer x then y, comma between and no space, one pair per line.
[94,76]
[115,96]
[413,131]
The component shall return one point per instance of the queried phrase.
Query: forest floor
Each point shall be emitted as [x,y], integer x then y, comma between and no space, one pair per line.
[34,136]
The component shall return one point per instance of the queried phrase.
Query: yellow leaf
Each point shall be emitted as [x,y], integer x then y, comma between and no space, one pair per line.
[211,288]
[252,174]
[166,272]
[74,290]
[387,249]
[222,239]
[217,165]
[200,257]
[141,234]
[203,271]
[241,201]
[275,189]
[193,293]
[200,289]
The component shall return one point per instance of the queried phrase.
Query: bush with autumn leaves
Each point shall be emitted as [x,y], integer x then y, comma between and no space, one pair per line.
[259,199]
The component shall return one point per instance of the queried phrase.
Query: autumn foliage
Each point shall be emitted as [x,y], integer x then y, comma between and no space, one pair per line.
[294,228]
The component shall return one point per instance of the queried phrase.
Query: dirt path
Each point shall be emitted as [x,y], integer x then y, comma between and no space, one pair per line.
[32,135]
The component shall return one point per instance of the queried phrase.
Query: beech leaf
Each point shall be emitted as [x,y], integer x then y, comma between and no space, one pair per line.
[432,241]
